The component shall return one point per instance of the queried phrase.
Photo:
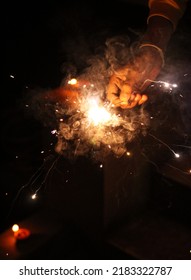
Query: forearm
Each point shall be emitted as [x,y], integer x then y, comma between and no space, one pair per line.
[171,10]
[163,18]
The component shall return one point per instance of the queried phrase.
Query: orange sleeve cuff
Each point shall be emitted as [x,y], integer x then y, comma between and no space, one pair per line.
[169,9]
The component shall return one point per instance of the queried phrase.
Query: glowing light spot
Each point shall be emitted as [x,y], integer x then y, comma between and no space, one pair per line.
[189,171]
[15,228]
[166,84]
[61,120]
[54,131]
[128,154]
[176,155]
[16,156]
[6,193]
[101,166]
[72,81]
[33,196]
[42,152]
[174,85]
[7,254]
[12,77]
[26,105]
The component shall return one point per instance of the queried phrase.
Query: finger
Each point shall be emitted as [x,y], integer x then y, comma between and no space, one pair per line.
[125,93]
[113,89]
[116,102]
[135,99]
[129,105]
[138,97]
[143,99]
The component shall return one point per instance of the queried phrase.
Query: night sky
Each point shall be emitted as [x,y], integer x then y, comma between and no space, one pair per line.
[42,43]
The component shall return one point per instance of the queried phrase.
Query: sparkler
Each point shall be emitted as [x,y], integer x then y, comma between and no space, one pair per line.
[94,128]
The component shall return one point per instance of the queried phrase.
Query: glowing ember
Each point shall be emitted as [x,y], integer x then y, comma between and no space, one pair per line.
[15,228]
[176,155]
[33,196]
[72,81]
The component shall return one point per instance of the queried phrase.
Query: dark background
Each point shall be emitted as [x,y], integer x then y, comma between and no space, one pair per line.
[41,43]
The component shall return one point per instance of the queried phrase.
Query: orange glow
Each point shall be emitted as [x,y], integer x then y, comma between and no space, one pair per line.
[22,234]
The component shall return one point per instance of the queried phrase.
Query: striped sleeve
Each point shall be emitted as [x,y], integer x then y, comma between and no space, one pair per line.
[172,10]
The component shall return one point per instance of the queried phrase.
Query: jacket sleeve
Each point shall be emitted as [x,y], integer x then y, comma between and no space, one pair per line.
[172,10]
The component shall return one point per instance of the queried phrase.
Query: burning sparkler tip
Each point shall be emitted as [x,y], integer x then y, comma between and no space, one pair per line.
[33,196]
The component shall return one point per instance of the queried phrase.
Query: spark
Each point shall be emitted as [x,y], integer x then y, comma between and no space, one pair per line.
[166,145]
[165,84]
[101,166]
[54,131]
[73,81]
[30,183]
[15,228]
[34,196]
[177,155]
[128,154]
[12,77]
[174,85]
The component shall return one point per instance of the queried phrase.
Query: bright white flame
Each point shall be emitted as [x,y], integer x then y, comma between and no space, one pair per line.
[97,114]
[72,81]
[15,228]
